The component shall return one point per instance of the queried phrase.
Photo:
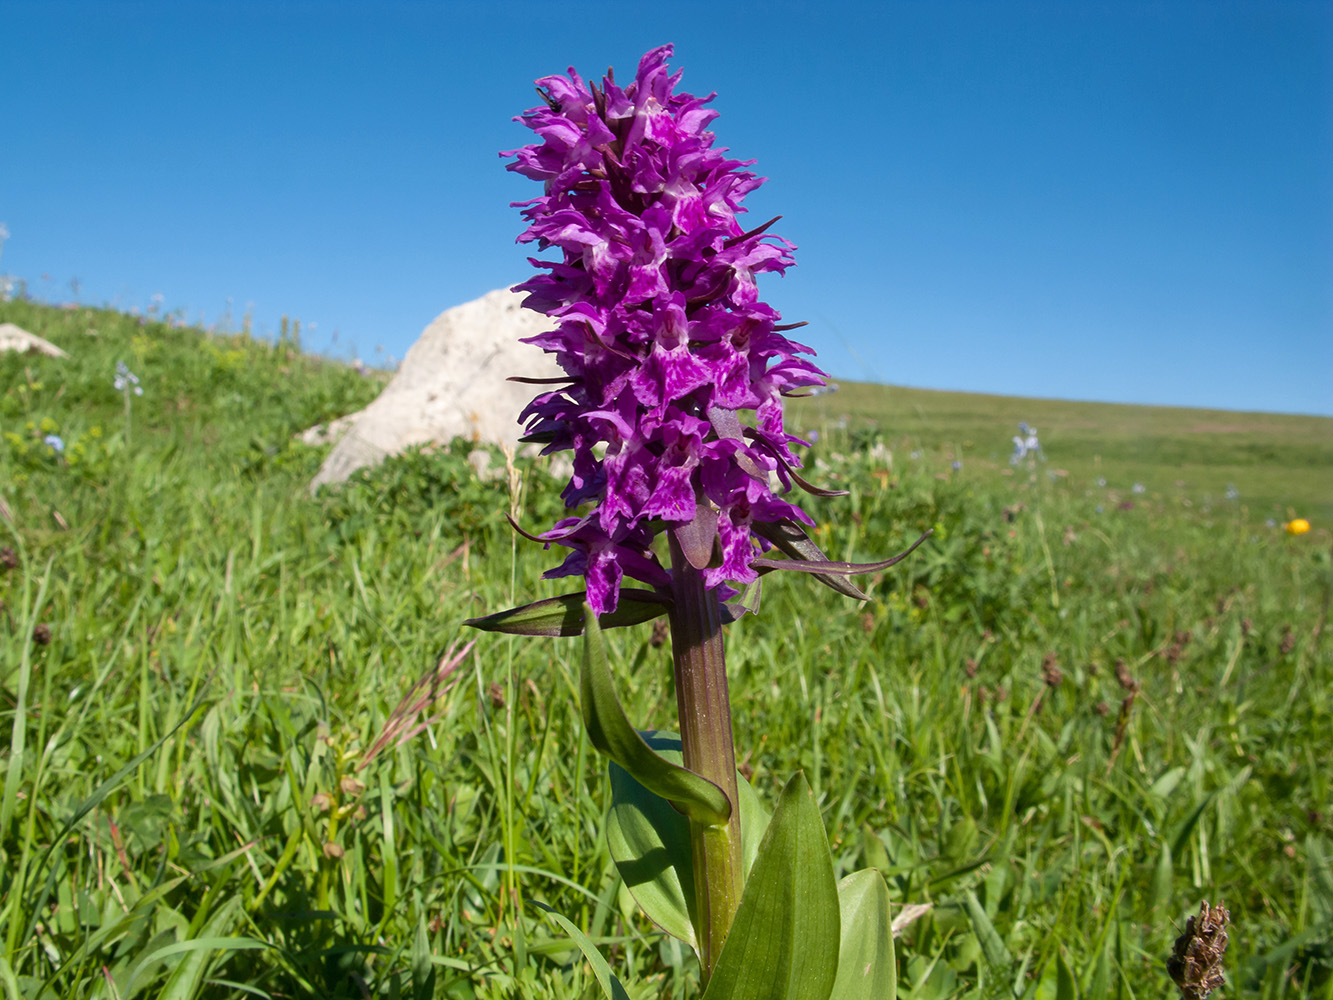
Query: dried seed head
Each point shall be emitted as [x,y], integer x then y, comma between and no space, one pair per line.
[971,667]
[8,559]
[41,635]
[1127,680]
[868,622]
[1051,673]
[1288,640]
[1195,965]
[350,786]
[1245,626]
[333,852]
[1101,708]
[661,629]
[497,695]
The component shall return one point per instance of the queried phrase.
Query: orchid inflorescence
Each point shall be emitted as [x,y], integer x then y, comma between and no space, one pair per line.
[665,343]
[661,331]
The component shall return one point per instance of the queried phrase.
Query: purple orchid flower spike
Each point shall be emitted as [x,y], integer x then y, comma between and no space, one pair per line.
[672,405]
[659,327]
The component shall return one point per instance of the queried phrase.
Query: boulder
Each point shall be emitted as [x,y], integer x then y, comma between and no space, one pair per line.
[15,338]
[451,384]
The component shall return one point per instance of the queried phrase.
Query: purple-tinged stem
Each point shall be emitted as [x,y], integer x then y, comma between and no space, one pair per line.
[706,742]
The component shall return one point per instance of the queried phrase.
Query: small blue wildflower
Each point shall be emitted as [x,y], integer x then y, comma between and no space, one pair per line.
[1025,444]
[54,442]
[126,380]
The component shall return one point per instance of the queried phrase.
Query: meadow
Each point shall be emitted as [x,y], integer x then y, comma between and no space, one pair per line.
[1079,710]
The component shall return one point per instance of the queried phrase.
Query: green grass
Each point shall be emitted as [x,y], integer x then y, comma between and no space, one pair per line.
[181,809]
[1281,465]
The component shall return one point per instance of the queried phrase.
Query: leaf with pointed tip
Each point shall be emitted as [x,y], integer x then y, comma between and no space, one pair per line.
[558,380]
[606,979]
[1066,986]
[611,734]
[650,843]
[563,616]
[783,943]
[866,966]
[992,945]
[830,567]
[790,538]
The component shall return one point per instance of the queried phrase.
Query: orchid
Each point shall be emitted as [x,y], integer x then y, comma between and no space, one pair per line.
[659,327]
[683,470]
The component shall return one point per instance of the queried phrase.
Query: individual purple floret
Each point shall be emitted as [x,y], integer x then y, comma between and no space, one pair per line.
[659,328]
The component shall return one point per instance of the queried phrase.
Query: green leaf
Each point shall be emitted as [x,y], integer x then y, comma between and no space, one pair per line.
[196,947]
[867,969]
[564,615]
[610,985]
[1182,834]
[184,980]
[1065,986]
[650,842]
[783,944]
[610,732]
[1161,880]
[992,946]
[423,970]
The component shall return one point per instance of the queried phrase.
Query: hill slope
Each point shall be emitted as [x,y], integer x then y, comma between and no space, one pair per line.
[1071,715]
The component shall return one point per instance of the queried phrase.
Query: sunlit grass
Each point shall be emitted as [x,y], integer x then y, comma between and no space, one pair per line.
[242,645]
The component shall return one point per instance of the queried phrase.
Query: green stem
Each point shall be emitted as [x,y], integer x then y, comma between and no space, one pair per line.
[706,742]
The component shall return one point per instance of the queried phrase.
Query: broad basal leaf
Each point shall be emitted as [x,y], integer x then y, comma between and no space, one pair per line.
[784,942]
[866,967]
[650,842]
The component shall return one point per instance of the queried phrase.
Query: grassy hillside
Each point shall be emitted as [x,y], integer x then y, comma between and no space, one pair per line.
[1281,466]
[1074,714]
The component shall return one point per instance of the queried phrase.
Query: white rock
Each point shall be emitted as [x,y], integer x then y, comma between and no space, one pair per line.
[451,384]
[15,338]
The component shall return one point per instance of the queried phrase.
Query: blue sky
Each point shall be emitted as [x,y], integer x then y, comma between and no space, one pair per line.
[1114,201]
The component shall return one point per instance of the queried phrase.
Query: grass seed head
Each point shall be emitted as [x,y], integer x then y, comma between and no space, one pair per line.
[1051,674]
[1195,965]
